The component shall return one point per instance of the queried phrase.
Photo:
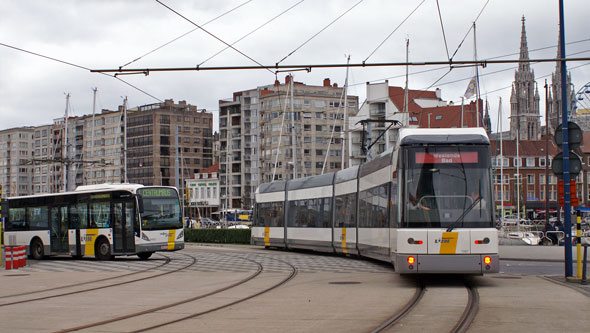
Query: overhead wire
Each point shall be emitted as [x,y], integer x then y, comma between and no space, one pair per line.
[394,30]
[324,28]
[443,30]
[469,30]
[186,33]
[78,66]
[253,31]
[212,35]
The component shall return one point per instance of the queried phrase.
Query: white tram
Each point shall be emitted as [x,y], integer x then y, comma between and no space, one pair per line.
[425,206]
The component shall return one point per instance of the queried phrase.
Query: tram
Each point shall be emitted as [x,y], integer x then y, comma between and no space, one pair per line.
[425,206]
[102,220]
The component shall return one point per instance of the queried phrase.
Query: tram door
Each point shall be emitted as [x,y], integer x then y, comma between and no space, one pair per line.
[59,229]
[123,216]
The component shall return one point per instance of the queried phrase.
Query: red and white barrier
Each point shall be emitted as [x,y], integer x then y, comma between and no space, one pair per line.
[16,256]
[8,258]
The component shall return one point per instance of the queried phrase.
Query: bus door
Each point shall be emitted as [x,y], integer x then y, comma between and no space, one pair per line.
[123,233]
[59,229]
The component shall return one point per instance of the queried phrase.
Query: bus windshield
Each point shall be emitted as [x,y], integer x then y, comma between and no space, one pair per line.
[447,187]
[161,209]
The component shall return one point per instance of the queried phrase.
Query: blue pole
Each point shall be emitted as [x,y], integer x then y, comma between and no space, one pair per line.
[565,148]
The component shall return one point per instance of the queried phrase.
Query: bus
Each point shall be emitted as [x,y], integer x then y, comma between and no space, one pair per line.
[103,221]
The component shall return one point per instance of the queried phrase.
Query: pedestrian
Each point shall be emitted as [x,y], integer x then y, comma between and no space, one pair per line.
[189,223]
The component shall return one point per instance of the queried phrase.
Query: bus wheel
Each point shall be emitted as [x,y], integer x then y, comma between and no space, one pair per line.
[36,249]
[102,250]
[144,255]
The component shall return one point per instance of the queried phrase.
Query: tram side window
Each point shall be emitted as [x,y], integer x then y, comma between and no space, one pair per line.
[79,216]
[374,204]
[37,217]
[345,214]
[310,213]
[100,215]
[17,220]
[270,214]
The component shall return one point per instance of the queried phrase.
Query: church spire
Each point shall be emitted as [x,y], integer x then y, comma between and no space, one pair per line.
[524,50]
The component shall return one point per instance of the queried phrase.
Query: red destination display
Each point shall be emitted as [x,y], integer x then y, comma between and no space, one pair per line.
[446,157]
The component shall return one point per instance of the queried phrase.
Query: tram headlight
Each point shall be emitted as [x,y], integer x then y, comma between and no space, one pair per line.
[180,234]
[411,260]
[487,260]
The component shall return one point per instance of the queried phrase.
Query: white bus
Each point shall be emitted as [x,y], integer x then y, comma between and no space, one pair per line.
[102,220]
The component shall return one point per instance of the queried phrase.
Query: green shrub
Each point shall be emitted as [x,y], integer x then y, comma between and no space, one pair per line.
[228,236]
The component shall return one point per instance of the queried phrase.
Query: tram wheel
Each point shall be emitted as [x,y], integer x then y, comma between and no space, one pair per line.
[36,249]
[102,250]
[144,255]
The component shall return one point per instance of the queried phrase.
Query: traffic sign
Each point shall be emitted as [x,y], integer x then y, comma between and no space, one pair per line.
[574,134]
[575,164]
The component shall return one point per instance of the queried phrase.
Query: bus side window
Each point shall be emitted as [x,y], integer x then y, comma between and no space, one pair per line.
[17,220]
[100,215]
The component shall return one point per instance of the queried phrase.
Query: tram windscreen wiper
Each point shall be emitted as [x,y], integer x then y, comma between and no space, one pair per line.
[460,219]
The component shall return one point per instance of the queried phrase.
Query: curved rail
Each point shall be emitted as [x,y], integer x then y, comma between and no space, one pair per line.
[470,310]
[105,286]
[167,261]
[391,321]
[166,306]
[194,315]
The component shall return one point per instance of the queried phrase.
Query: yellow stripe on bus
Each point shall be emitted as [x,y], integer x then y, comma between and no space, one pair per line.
[344,249]
[266,236]
[448,244]
[89,240]
[171,237]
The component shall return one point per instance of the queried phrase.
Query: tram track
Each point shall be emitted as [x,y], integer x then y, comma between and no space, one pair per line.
[461,325]
[168,260]
[260,269]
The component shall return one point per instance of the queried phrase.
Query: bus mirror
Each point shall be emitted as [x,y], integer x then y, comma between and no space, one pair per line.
[140,203]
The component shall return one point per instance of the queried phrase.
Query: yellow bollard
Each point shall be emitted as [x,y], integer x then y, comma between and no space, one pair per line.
[579,244]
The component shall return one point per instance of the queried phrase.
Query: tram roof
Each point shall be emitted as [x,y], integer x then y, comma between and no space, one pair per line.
[277,186]
[443,135]
[311,181]
[346,174]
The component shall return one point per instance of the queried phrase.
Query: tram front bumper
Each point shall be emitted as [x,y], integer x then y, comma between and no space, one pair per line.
[446,264]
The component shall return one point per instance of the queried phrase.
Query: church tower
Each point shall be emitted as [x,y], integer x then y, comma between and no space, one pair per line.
[555,100]
[524,99]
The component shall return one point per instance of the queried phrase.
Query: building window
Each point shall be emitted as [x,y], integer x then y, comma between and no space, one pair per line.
[542,161]
[530,161]
[542,179]
[518,162]
[530,179]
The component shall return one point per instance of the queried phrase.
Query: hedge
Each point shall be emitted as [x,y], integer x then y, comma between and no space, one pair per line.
[228,236]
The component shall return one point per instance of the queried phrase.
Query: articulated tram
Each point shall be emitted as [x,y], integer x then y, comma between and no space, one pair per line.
[425,206]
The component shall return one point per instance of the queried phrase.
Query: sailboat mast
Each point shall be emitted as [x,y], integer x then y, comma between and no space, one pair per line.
[345,118]
[64,144]
[476,78]
[94,90]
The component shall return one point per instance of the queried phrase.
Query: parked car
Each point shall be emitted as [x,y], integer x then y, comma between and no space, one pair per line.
[207,222]
[508,220]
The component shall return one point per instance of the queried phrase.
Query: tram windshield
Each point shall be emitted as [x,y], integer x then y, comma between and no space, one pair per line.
[161,209]
[447,187]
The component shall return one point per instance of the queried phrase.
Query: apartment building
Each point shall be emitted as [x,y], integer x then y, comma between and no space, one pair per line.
[167,143]
[16,152]
[103,147]
[263,129]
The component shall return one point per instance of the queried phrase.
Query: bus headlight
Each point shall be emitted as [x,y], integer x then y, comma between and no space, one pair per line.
[180,234]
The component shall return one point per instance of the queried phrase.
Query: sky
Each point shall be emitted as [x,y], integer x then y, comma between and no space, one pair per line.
[98,34]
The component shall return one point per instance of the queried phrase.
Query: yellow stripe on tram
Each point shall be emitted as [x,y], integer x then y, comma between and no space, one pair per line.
[344,249]
[266,236]
[171,237]
[89,239]
[448,244]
